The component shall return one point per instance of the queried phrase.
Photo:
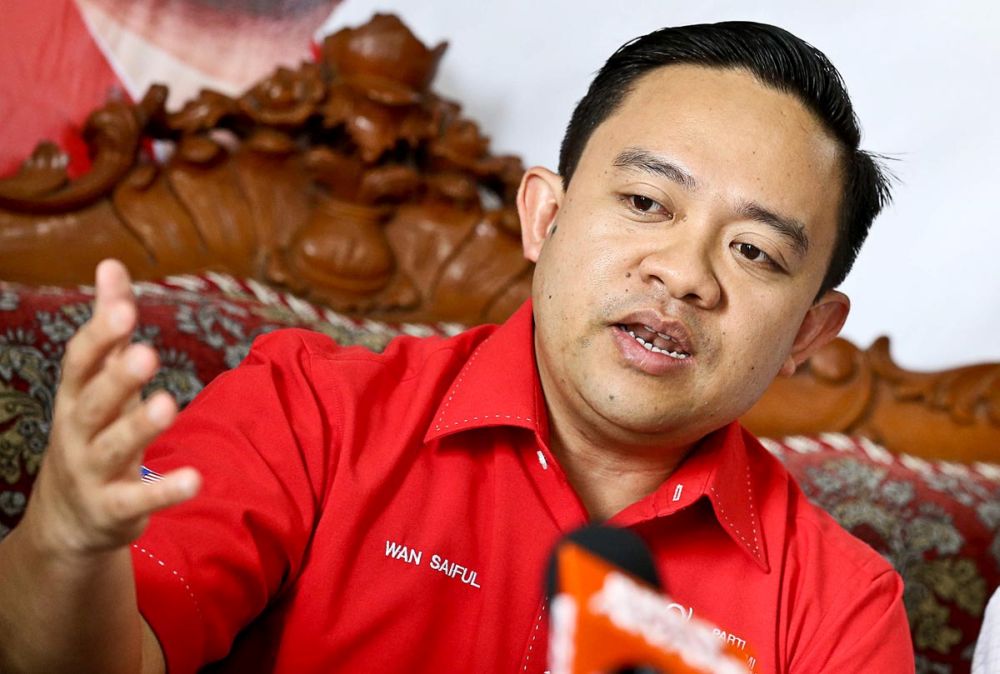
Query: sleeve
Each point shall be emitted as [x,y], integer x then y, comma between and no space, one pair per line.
[261,436]
[871,633]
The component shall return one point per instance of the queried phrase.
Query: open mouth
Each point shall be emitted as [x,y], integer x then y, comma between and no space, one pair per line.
[654,341]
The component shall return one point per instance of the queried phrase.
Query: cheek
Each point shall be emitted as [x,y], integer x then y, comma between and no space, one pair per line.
[761,339]
[575,269]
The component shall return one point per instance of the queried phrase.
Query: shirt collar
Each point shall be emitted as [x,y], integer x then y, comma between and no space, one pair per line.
[719,469]
[499,386]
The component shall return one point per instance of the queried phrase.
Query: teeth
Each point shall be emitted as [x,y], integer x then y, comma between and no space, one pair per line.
[649,347]
[666,337]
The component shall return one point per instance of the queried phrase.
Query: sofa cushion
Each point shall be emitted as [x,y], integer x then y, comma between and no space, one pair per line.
[938,523]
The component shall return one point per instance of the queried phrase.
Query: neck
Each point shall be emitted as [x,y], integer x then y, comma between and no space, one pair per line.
[609,466]
[610,478]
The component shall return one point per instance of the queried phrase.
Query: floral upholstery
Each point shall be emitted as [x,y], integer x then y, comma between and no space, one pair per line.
[938,523]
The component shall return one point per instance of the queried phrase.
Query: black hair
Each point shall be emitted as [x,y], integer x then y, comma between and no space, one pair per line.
[777,59]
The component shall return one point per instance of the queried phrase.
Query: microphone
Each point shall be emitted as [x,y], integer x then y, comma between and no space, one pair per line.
[607,613]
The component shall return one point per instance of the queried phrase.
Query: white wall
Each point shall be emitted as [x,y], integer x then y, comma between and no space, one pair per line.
[925,81]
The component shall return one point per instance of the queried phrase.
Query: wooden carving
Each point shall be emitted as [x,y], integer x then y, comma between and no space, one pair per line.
[952,414]
[347,181]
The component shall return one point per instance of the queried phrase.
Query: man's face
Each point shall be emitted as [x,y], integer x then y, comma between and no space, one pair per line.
[704,210]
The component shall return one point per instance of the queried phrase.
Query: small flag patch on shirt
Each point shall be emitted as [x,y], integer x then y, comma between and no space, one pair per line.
[148,475]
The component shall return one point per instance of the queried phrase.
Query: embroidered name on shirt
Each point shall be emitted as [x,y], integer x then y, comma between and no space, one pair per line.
[437,563]
[403,553]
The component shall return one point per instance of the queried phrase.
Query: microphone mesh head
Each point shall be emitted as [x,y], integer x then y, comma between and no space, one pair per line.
[620,547]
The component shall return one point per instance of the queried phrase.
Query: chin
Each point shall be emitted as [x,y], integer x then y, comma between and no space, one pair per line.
[630,419]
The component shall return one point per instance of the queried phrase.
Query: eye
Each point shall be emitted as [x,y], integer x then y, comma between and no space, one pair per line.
[754,254]
[644,205]
[641,203]
[751,252]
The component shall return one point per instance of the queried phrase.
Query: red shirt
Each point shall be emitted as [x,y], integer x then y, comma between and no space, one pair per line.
[394,512]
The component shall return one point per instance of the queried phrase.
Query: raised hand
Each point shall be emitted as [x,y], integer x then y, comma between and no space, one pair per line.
[88,497]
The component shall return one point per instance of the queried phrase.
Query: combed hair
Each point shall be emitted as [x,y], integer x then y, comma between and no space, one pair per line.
[777,59]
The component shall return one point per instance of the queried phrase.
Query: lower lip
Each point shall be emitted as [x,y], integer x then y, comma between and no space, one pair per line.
[643,359]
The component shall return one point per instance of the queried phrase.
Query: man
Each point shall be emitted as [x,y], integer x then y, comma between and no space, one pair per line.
[393,512]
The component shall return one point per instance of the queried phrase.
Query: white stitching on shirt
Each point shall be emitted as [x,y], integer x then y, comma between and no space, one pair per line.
[174,572]
[753,515]
[458,383]
[439,425]
[534,635]
[732,526]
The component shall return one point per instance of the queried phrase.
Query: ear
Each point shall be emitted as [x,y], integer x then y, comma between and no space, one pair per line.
[821,324]
[538,200]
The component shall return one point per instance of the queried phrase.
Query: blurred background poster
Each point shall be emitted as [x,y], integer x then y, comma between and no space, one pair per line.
[63,58]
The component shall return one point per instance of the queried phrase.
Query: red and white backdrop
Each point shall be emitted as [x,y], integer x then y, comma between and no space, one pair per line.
[923,77]
[62,58]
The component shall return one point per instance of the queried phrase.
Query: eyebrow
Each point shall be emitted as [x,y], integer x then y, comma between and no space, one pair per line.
[791,229]
[648,162]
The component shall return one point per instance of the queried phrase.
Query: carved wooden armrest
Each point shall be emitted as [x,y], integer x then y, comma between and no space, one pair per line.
[952,414]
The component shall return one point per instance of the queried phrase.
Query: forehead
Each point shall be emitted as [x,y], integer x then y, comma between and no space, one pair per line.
[738,138]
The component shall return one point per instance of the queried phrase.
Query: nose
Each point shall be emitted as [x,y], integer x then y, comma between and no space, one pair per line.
[683,268]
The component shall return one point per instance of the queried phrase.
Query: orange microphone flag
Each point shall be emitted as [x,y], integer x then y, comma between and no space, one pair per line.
[604,620]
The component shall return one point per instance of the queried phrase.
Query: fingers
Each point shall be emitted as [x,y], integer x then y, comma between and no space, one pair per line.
[103,397]
[109,328]
[118,448]
[112,284]
[130,501]
[86,351]
[89,491]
